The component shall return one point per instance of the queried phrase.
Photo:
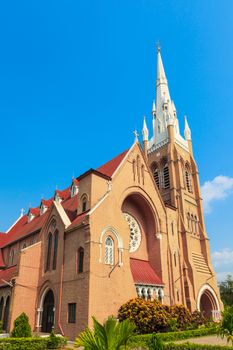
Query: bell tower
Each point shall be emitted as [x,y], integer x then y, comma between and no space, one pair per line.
[170,158]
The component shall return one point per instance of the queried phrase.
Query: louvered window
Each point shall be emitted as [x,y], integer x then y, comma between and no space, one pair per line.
[166,176]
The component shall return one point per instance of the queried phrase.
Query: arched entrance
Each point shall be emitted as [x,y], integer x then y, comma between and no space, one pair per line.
[208,303]
[48,312]
[6,314]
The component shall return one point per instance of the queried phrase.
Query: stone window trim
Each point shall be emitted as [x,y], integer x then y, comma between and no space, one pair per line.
[111,231]
[109,251]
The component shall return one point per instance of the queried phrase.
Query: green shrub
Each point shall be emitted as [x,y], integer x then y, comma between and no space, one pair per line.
[226,326]
[23,344]
[22,328]
[189,346]
[143,339]
[155,343]
[55,342]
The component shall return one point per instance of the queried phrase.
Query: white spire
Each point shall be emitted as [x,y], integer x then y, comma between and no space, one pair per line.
[145,132]
[164,112]
[187,131]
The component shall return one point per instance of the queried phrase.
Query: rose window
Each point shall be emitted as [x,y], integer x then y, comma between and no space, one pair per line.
[135,232]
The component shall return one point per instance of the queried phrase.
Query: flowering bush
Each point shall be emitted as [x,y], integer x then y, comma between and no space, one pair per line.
[148,316]
[151,316]
[182,315]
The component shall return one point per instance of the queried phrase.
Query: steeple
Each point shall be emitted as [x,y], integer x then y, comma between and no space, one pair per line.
[165,122]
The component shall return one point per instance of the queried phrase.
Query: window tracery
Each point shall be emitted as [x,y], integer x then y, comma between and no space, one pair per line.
[135,232]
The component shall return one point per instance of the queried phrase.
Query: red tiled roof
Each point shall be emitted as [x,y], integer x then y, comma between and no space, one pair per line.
[23,228]
[109,167]
[78,219]
[143,272]
[64,194]
[47,202]
[7,275]
[70,205]
[34,211]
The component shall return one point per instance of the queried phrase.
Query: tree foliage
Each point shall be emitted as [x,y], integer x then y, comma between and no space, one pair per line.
[226,325]
[109,336]
[22,328]
[226,291]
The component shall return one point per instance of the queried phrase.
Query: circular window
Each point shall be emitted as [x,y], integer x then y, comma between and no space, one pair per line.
[135,232]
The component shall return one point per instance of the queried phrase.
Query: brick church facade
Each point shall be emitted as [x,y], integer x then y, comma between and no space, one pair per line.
[132,227]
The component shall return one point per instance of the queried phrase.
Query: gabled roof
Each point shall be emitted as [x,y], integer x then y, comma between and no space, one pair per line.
[143,273]
[7,275]
[22,227]
[110,167]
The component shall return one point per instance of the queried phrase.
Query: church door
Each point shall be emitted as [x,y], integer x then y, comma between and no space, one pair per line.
[48,313]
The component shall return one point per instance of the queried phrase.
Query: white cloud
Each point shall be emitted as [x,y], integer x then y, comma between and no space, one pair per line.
[217,189]
[222,257]
[223,263]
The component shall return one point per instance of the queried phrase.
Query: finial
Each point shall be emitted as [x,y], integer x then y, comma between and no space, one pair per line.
[22,212]
[187,131]
[158,46]
[145,132]
[136,136]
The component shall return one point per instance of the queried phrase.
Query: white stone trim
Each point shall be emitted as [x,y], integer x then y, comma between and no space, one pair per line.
[62,214]
[120,246]
[200,293]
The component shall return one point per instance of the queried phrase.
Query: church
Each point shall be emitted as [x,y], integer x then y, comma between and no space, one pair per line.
[133,227]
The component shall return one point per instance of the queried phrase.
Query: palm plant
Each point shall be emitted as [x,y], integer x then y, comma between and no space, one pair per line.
[109,336]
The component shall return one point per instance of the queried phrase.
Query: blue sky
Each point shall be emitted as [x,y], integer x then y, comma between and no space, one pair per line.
[76,78]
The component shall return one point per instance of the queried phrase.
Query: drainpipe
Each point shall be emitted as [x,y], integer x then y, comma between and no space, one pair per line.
[61,289]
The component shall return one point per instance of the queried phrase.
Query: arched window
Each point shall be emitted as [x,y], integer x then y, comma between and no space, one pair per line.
[188,180]
[166,176]
[155,172]
[84,203]
[109,251]
[12,257]
[175,259]
[55,250]
[80,261]
[49,249]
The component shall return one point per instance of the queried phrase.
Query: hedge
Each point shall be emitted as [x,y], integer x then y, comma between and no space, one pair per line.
[28,343]
[23,344]
[142,339]
[190,346]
